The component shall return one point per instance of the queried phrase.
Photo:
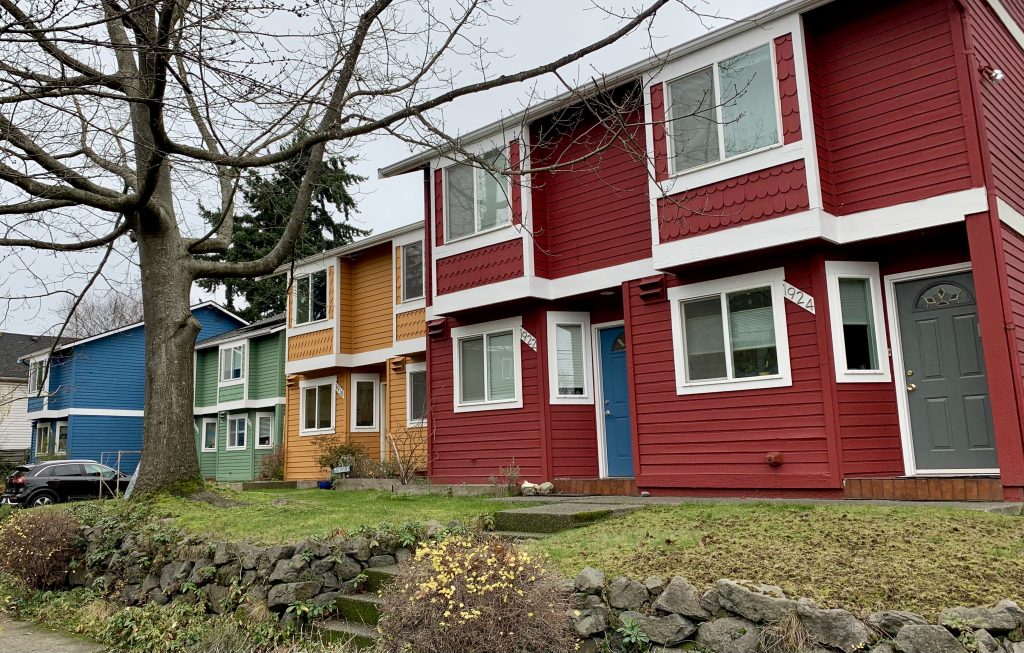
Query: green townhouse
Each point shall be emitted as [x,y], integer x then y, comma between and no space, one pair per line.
[240,399]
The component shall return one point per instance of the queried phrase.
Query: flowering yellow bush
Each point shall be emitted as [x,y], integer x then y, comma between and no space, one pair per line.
[37,546]
[474,594]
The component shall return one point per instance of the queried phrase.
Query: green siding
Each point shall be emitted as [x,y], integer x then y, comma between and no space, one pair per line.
[207,459]
[266,366]
[206,377]
[236,464]
[231,392]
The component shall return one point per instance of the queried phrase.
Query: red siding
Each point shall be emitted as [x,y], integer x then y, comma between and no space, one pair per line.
[891,102]
[720,440]
[761,195]
[470,447]
[789,104]
[1013,254]
[574,441]
[593,213]
[439,207]
[514,161]
[480,267]
[869,429]
[1001,103]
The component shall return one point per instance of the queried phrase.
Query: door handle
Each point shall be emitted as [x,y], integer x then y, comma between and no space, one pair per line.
[607,412]
[911,387]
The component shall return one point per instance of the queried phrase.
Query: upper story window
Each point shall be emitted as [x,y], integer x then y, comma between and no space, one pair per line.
[476,199]
[412,271]
[858,325]
[232,363]
[311,297]
[730,334]
[724,110]
[488,366]
[37,373]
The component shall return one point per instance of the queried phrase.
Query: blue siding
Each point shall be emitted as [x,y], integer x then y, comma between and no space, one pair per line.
[214,322]
[111,372]
[61,382]
[90,436]
[35,403]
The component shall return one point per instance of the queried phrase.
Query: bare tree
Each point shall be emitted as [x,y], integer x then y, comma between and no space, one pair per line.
[116,114]
[97,313]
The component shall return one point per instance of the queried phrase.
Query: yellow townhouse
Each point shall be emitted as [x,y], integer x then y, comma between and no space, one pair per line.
[355,363]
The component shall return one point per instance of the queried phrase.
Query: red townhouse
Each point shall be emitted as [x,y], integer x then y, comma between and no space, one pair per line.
[785,258]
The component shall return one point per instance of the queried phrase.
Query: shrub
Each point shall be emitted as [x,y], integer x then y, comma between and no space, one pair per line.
[272,465]
[37,546]
[332,451]
[475,595]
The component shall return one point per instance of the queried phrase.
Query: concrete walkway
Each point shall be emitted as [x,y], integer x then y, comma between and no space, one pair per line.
[22,637]
[981,506]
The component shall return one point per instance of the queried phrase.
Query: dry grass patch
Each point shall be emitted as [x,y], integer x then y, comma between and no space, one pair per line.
[855,556]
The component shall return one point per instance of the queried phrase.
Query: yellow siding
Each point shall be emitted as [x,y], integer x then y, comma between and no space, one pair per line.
[346,313]
[411,324]
[308,345]
[372,311]
[408,440]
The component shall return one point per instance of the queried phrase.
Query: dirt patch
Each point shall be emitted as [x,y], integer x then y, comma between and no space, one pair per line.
[216,500]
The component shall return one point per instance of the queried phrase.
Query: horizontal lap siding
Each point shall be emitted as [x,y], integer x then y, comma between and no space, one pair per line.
[869,429]
[470,447]
[372,301]
[206,376]
[110,372]
[594,213]
[266,367]
[411,442]
[1004,120]
[573,441]
[480,267]
[762,195]
[1013,253]
[15,429]
[90,436]
[684,441]
[887,104]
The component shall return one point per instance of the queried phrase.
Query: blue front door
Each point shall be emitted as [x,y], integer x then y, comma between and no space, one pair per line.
[617,435]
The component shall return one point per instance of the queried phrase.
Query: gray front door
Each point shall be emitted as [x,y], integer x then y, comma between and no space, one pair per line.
[947,390]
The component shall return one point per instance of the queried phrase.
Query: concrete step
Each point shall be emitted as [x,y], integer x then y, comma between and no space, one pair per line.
[359,608]
[513,536]
[380,577]
[555,517]
[358,635]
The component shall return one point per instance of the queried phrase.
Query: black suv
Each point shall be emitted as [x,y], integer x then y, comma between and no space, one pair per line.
[61,480]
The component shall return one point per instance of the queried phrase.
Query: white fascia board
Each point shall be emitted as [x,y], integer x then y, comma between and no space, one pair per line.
[239,405]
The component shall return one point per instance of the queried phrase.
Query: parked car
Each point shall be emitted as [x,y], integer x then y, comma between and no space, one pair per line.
[61,480]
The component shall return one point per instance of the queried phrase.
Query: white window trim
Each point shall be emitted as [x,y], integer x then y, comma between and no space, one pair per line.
[720,124]
[365,378]
[423,273]
[834,271]
[581,319]
[773,278]
[49,430]
[515,324]
[295,296]
[306,383]
[202,434]
[244,345]
[245,423]
[411,368]
[476,218]
[32,390]
[256,430]
[56,438]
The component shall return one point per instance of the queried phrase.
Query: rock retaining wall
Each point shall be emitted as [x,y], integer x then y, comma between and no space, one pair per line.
[744,617]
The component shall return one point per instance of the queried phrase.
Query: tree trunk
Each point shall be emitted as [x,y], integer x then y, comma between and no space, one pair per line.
[169,458]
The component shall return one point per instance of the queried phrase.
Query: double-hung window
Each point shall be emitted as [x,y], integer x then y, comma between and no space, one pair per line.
[209,434]
[730,334]
[264,430]
[232,363]
[858,325]
[237,431]
[477,199]
[43,438]
[311,297]
[317,408]
[488,366]
[724,110]
[61,446]
[412,271]
[416,394]
[365,402]
[569,358]
[37,375]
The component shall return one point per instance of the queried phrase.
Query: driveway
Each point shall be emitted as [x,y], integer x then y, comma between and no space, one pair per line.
[29,638]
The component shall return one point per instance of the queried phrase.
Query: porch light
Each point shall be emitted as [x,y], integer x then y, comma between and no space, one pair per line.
[993,74]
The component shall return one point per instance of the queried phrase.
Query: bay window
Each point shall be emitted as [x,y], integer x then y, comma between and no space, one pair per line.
[488,366]
[476,199]
[724,110]
[311,297]
[365,402]
[569,357]
[412,271]
[237,432]
[416,394]
[730,334]
[858,325]
[317,409]
[232,363]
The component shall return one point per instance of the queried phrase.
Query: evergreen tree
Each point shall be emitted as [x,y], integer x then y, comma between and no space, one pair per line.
[267,202]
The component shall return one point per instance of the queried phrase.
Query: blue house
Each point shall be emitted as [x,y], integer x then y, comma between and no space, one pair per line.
[94,388]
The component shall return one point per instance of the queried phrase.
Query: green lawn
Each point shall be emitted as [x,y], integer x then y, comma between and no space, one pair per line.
[271,516]
[859,557]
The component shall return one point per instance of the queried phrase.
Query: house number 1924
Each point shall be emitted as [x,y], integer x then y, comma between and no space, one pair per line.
[798,297]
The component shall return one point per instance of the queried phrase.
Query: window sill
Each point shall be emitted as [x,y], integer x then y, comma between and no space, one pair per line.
[323,431]
[737,166]
[209,451]
[735,385]
[865,376]
[365,429]
[221,384]
[571,400]
[510,404]
[265,446]
[242,448]
[416,424]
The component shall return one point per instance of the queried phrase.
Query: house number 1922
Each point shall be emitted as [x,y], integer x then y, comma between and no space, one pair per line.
[798,297]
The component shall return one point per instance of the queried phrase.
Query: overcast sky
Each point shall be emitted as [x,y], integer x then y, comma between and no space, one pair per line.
[545,30]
